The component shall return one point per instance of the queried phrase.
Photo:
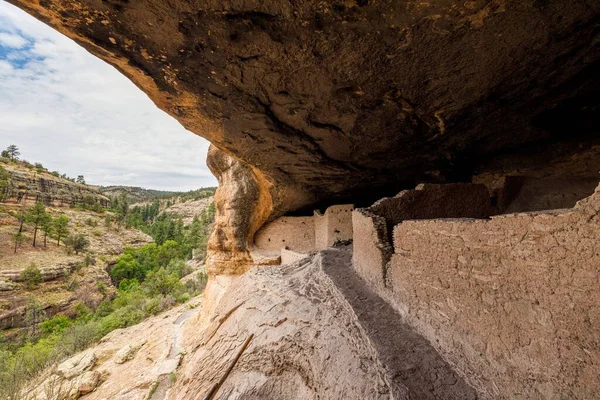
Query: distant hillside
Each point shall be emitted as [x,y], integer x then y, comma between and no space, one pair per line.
[137,195]
[25,183]
[185,205]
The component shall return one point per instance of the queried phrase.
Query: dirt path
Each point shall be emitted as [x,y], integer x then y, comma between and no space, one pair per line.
[410,360]
[169,366]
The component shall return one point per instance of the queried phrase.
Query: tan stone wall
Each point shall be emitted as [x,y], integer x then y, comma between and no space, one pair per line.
[373,226]
[334,225]
[305,234]
[513,302]
[295,233]
[371,247]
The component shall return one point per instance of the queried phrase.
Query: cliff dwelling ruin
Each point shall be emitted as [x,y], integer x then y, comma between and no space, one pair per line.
[408,202]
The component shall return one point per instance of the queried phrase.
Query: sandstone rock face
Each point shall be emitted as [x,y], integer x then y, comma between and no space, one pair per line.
[317,100]
[127,363]
[28,187]
[87,382]
[77,365]
[239,214]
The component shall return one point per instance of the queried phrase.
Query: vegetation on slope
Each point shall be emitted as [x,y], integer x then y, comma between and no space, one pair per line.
[146,280]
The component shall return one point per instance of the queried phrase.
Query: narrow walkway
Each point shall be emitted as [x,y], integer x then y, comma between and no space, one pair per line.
[169,366]
[413,365]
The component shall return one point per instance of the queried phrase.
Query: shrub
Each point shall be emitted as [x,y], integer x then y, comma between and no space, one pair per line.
[89,260]
[105,308]
[56,324]
[82,312]
[153,306]
[76,243]
[91,222]
[78,336]
[32,276]
[121,318]
[127,285]
[101,288]
[196,285]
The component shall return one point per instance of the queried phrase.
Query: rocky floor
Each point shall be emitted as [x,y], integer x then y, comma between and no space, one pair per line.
[319,333]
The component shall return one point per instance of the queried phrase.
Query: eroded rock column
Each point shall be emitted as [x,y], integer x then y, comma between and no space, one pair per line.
[243,203]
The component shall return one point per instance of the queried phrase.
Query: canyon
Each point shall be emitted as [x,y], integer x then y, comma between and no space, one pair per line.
[427,173]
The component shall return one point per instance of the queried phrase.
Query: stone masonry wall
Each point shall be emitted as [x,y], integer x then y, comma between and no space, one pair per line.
[304,234]
[513,301]
[334,225]
[372,249]
[295,233]
[373,226]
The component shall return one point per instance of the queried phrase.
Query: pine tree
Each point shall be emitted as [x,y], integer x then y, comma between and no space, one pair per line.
[61,227]
[18,239]
[36,216]
[13,152]
[47,227]
[34,315]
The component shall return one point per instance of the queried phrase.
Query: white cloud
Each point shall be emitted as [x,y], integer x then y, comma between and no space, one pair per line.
[12,40]
[74,113]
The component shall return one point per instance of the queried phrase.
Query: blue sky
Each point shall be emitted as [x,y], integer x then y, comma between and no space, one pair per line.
[76,114]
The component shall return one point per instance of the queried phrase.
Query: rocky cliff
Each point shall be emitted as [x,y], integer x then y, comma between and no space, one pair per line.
[317,101]
[27,186]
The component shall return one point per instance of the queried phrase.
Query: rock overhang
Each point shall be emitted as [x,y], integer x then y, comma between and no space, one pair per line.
[320,100]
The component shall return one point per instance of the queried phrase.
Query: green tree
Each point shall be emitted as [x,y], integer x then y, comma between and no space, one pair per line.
[161,282]
[36,215]
[81,179]
[18,237]
[177,266]
[61,227]
[34,315]
[47,227]
[167,252]
[13,152]
[21,216]
[127,267]
[32,276]
[76,243]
